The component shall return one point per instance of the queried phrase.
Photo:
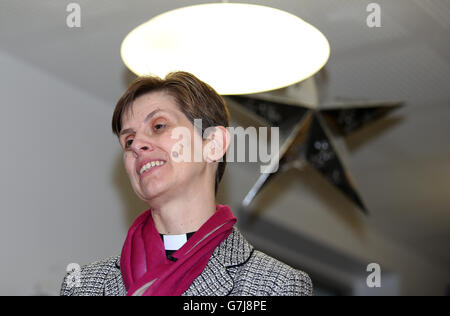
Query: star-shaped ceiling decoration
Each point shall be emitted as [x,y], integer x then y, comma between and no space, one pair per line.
[306,137]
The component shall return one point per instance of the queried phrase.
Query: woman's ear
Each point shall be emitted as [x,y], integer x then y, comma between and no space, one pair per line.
[217,142]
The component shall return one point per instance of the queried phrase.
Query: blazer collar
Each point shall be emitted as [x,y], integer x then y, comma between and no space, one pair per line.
[234,250]
[216,278]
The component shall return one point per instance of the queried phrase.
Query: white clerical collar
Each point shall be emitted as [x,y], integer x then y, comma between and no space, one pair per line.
[174,242]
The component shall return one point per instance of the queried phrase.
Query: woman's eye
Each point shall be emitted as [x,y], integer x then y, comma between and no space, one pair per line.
[128,143]
[159,126]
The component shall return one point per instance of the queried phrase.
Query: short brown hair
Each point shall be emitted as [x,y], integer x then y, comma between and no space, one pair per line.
[195,98]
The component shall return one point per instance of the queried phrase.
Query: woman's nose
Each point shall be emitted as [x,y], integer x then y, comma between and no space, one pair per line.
[139,145]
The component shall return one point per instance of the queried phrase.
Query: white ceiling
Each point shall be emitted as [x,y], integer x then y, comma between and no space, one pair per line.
[401,164]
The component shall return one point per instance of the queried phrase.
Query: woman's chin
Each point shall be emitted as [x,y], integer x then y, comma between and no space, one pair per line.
[152,192]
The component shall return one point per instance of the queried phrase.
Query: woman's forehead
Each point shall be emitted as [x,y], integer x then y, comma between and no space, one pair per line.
[146,106]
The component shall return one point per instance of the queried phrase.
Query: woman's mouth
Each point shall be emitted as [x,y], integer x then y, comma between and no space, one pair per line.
[150,167]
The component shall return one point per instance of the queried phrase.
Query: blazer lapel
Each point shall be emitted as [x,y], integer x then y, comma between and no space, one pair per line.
[217,277]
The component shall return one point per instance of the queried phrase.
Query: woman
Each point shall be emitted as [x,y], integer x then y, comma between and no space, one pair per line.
[185,243]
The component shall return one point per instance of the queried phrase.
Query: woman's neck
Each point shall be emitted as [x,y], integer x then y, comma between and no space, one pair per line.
[184,214]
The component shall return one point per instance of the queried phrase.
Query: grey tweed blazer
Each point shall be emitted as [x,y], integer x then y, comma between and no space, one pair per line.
[235,268]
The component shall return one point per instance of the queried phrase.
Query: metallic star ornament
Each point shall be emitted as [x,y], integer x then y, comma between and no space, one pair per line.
[306,134]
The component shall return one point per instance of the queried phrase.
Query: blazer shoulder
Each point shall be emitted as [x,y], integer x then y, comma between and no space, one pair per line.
[92,278]
[273,277]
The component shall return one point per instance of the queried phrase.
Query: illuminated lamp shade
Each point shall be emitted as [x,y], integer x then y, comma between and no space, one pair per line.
[236,48]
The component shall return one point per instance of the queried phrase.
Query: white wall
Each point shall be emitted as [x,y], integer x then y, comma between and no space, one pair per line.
[60,165]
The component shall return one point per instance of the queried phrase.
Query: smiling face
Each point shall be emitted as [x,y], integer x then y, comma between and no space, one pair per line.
[146,137]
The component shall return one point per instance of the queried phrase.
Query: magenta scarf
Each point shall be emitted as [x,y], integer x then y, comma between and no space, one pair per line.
[145,267]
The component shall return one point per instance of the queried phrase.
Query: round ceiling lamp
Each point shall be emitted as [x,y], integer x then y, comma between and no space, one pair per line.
[236,48]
